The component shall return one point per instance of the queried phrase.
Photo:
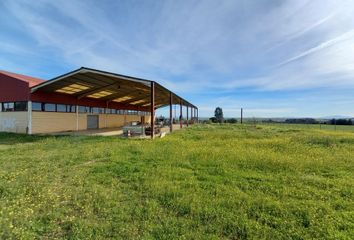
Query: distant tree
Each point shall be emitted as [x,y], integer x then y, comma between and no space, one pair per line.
[301,120]
[219,115]
[332,121]
[341,122]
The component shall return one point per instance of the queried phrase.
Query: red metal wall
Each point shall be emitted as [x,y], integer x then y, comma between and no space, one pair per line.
[12,89]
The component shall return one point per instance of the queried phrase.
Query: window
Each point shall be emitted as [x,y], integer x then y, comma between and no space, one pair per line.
[70,108]
[49,107]
[93,110]
[110,111]
[36,106]
[20,106]
[83,109]
[8,107]
[14,106]
[61,108]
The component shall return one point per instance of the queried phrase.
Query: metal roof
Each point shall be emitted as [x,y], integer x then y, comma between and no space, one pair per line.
[91,83]
[32,81]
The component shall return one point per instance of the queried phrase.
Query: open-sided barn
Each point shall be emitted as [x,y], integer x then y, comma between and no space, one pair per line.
[82,99]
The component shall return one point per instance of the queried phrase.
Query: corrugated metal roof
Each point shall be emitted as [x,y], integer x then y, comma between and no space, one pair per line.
[87,82]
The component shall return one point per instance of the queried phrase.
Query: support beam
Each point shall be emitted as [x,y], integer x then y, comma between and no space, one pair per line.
[192,115]
[152,109]
[195,115]
[180,115]
[171,120]
[187,116]
[77,117]
[198,115]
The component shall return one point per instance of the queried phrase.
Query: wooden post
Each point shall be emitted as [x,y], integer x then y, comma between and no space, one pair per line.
[152,109]
[171,120]
[187,116]
[241,115]
[180,115]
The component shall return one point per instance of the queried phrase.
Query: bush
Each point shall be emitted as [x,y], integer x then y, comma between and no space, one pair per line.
[231,120]
[213,120]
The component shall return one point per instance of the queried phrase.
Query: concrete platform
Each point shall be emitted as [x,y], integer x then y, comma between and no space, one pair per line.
[111,131]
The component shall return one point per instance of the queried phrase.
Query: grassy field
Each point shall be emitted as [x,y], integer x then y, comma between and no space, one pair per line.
[205,182]
[346,128]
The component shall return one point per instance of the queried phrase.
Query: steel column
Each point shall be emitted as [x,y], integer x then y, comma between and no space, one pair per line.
[192,109]
[152,110]
[195,114]
[77,117]
[180,115]
[198,115]
[171,120]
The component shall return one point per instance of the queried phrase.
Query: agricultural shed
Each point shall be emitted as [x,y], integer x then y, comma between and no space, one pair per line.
[83,99]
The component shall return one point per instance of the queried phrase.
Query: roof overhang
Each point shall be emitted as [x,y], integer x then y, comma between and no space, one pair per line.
[109,87]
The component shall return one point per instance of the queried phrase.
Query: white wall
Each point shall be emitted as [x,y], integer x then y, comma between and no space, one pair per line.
[13,122]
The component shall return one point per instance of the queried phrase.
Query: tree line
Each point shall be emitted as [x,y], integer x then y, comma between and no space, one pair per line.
[315,121]
[219,118]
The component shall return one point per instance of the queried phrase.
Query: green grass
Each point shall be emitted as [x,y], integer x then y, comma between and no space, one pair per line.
[205,182]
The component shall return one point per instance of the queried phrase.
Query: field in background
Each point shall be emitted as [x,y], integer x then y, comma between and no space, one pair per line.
[346,128]
[205,182]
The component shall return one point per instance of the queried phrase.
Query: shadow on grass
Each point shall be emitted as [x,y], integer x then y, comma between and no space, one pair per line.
[17,138]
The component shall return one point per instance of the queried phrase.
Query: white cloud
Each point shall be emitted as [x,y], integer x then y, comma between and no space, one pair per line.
[198,46]
[223,38]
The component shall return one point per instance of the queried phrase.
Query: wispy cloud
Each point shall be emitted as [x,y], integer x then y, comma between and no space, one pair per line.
[343,37]
[193,47]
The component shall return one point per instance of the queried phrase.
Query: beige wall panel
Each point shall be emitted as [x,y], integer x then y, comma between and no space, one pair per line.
[47,122]
[133,118]
[13,122]
[82,121]
[115,120]
[147,119]
[102,121]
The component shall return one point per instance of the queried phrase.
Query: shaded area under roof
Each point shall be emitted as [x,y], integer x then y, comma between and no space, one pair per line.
[110,87]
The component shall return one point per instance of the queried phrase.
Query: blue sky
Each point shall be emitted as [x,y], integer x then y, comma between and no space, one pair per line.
[274,58]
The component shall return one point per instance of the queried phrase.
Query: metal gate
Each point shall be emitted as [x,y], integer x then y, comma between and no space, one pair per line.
[92,121]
